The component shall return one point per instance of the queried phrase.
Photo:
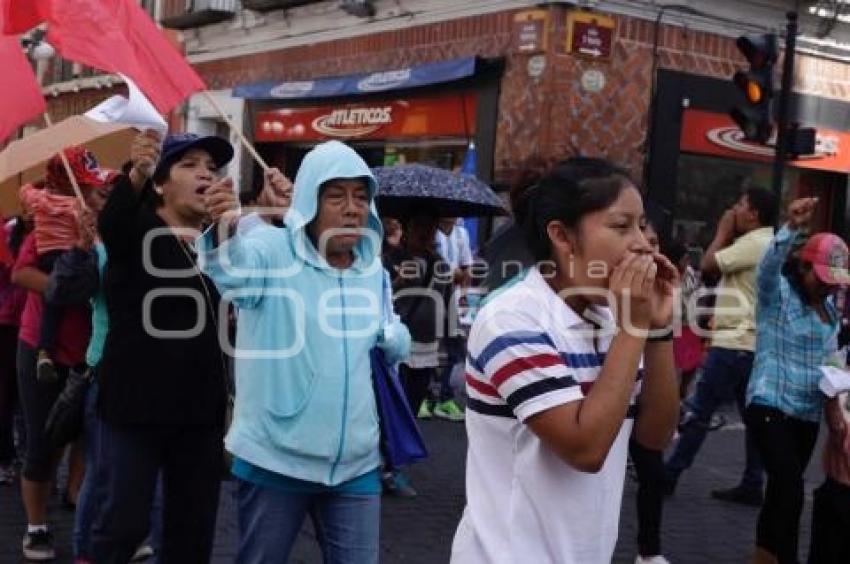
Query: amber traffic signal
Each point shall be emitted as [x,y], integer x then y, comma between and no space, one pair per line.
[755,116]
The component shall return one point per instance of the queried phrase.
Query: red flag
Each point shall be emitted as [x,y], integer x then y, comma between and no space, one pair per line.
[22,15]
[20,95]
[119,36]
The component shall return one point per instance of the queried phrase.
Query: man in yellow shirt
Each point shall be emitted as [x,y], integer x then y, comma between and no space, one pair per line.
[742,237]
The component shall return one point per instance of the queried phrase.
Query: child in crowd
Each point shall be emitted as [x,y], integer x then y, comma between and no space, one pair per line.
[55,208]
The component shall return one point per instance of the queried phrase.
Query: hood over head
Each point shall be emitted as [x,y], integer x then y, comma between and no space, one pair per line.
[325,162]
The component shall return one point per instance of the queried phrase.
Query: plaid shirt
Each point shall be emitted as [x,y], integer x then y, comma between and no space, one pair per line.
[792,342]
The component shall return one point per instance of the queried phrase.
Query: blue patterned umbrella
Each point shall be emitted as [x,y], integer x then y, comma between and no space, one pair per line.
[404,190]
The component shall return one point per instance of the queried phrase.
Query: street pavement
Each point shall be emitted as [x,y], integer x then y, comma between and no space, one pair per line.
[697,529]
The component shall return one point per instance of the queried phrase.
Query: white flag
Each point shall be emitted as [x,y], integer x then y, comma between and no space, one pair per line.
[136,111]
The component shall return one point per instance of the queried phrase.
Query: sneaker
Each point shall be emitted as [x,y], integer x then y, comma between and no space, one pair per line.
[657,559]
[45,370]
[7,475]
[425,410]
[449,410]
[144,552]
[38,546]
[396,484]
[740,494]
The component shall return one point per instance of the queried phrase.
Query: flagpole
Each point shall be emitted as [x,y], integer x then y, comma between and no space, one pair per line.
[244,140]
[67,166]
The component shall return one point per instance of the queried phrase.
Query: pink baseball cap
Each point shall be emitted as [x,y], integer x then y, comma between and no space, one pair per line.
[829,257]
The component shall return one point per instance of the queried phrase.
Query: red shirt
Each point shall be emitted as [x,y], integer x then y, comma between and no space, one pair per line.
[74,327]
[12,297]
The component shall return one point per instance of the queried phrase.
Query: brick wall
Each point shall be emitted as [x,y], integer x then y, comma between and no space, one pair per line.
[550,117]
[80,102]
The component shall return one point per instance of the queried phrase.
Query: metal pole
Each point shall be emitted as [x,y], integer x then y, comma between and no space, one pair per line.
[785,103]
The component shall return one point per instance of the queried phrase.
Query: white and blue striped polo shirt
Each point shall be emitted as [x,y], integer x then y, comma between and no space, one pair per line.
[529,352]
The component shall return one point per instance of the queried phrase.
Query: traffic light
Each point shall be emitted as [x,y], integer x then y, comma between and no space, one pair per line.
[755,117]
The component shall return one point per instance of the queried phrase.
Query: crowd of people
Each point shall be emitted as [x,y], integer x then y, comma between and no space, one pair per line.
[214,339]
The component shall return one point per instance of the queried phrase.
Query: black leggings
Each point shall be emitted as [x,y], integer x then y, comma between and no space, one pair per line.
[785,444]
[415,382]
[36,400]
[8,392]
[649,465]
[830,542]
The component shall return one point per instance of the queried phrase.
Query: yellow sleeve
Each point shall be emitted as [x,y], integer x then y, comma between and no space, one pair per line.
[743,254]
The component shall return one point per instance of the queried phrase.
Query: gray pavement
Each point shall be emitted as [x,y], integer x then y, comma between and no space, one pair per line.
[696,528]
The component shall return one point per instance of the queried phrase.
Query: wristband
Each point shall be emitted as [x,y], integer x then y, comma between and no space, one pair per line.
[663,337]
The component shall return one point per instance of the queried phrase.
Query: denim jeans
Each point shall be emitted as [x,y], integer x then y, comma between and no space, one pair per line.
[347,525]
[87,500]
[724,379]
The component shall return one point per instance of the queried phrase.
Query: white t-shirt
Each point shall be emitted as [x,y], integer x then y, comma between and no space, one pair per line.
[529,352]
[454,247]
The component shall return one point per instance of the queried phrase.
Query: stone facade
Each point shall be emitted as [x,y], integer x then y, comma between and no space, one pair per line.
[553,115]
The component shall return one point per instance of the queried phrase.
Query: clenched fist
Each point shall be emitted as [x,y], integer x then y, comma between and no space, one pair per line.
[221,201]
[800,212]
[144,156]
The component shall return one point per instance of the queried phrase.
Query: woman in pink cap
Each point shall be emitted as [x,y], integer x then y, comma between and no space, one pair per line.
[796,332]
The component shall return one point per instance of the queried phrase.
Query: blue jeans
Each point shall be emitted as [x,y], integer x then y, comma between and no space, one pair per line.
[724,379]
[87,499]
[347,525]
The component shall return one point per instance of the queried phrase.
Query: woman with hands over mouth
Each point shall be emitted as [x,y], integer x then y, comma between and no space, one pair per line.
[562,364]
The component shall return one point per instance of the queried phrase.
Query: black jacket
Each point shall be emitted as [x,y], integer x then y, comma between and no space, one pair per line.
[149,378]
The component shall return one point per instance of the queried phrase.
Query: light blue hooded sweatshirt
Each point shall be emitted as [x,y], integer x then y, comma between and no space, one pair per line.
[305,406]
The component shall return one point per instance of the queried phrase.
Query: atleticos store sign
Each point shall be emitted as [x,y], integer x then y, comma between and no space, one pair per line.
[716,134]
[446,116]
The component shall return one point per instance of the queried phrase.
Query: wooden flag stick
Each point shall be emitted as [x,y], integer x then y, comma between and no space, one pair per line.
[67,165]
[245,143]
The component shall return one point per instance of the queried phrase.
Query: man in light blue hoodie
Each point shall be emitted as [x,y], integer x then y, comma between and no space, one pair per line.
[311,296]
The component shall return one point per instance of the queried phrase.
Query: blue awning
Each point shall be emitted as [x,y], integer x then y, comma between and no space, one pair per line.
[410,77]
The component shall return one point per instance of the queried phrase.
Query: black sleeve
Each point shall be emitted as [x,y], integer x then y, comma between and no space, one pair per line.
[118,220]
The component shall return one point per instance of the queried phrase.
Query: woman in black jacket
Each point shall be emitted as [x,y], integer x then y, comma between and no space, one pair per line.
[162,376]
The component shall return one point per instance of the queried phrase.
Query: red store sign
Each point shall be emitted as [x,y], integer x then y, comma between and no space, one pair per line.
[448,116]
[716,134]
[590,35]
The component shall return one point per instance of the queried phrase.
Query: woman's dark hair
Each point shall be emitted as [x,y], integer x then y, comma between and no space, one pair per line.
[19,232]
[570,190]
[163,170]
[675,251]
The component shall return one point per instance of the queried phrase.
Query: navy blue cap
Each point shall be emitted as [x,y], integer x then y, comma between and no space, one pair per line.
[176,145]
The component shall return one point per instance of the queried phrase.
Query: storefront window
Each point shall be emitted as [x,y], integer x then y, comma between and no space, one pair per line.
[710,185]
[447,154]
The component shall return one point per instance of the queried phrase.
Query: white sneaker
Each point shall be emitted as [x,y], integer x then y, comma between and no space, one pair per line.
[144,552]
[657,559]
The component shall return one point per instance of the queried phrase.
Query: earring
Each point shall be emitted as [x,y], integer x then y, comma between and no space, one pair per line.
[158,190]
